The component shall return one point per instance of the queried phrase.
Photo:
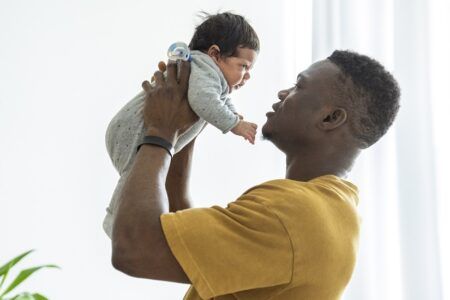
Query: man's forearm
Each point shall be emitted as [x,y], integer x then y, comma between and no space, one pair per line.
[177,182]
[137,226]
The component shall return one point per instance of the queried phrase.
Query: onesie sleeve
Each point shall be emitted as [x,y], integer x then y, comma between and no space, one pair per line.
[204,97]
[230,105]
[226,250]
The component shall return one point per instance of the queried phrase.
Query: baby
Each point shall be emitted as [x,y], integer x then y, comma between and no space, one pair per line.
[223,50]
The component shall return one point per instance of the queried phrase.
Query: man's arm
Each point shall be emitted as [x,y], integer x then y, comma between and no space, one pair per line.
[138,243]
[139,246]
[177,182]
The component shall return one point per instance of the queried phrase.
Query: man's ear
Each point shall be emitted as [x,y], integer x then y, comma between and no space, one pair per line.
[214,52]
[333,119]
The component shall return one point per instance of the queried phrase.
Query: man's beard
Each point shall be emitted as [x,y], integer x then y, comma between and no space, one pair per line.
[266,136]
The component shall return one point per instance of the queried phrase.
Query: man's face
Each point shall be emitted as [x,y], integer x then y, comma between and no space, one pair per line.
[294,119]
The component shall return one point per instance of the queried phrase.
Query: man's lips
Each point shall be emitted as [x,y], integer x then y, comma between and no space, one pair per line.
[271,113]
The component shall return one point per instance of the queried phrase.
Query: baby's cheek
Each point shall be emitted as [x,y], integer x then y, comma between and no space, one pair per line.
[236,79]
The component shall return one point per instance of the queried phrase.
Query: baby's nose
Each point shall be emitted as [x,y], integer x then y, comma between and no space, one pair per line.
[247,76]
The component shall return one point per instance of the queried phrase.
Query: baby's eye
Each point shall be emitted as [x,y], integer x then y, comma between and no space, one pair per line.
[245,67]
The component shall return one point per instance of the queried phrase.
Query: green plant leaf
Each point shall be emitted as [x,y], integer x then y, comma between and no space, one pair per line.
[22,296]
[24,274]
[28,296]
[38,296]
[5,268]
[3,279]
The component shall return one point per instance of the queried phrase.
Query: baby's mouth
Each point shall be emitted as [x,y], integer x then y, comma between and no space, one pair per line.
[236,87]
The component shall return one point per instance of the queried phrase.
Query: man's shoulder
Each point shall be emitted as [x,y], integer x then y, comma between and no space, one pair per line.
[282,190]
[275,189]
[283,185]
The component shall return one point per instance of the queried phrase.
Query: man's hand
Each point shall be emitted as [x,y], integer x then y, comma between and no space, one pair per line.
[246,129]
[167,113]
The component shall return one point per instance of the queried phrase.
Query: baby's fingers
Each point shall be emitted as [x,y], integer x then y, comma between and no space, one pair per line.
[250,137]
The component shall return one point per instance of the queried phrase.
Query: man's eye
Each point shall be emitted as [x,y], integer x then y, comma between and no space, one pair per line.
[297,85]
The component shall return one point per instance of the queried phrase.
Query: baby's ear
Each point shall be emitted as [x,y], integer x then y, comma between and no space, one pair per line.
[214,52]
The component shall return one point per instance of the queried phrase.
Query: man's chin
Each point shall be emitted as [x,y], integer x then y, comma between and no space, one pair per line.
[266,137]
[266,133]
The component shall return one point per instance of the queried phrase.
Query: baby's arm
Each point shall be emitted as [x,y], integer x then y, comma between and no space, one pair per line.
[222,116]
[204,98]
[245,129]
[231,105]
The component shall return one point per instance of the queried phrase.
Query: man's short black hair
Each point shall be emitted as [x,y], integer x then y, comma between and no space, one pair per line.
[226,30]
[373,96]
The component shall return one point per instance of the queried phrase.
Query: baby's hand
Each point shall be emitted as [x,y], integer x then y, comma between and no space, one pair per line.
[246,129]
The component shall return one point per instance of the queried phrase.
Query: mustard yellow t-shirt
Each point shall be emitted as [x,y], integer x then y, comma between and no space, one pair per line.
[280,240]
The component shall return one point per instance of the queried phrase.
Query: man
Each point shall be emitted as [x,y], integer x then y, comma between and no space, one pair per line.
[294,238]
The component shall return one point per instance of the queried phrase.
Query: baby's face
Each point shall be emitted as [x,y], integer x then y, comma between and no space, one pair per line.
[236,69]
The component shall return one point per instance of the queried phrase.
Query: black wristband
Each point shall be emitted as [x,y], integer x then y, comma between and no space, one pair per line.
[157,141]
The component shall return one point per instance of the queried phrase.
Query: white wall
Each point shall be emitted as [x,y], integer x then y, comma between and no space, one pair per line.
[66,67]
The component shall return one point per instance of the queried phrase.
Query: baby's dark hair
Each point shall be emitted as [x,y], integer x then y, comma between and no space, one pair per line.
[226,30]
[373,98]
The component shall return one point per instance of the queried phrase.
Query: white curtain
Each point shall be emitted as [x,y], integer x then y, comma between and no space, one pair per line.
[67,66]
[405,233]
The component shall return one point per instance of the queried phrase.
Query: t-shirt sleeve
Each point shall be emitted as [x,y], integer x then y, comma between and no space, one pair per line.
[225,250]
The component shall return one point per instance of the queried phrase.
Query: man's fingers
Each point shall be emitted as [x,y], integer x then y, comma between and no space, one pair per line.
[172,73]
[162,66]
[146,86]
[185,71]
[159,78]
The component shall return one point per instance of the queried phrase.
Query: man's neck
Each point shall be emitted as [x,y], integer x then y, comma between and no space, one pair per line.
[306,166]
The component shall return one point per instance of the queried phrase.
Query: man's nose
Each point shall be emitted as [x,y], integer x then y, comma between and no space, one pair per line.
[282,94]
